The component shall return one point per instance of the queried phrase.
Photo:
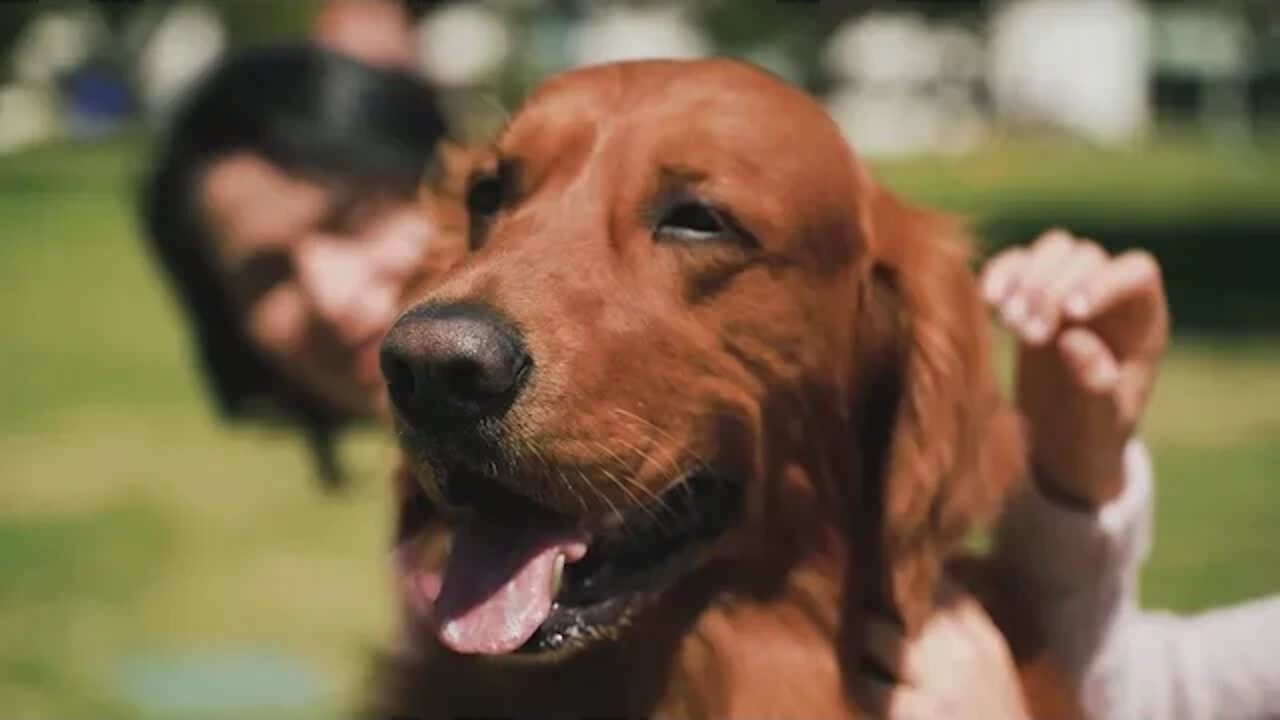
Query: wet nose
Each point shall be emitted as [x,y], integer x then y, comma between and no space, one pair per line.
[453,364]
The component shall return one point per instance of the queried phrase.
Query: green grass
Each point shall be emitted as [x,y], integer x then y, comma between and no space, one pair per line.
[134,526]
[1177,177]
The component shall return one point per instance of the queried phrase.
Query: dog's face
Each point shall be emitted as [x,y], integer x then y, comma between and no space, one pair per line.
[662,314]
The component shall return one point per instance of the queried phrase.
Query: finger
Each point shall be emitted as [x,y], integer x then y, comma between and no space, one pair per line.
[974,626]
[1044,310]
[1024,309]
[1014,307]
[887,646]
[948,642]
[1090,362]
[1130,276]
[999,273]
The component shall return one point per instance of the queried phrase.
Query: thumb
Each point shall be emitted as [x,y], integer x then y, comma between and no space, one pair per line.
[1089,361]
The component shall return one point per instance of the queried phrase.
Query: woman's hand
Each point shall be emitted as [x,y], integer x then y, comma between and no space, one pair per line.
[1092,329]
[958,668]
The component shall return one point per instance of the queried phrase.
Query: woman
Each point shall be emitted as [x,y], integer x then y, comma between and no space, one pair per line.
[283,209]
[1092,330]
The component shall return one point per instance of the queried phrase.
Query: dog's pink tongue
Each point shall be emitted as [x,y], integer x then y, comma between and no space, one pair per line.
[497,585]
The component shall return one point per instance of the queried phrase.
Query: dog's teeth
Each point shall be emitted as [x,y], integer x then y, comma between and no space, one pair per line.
[557,575]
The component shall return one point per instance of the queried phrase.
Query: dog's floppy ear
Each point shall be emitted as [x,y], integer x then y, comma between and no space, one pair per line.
[939,446]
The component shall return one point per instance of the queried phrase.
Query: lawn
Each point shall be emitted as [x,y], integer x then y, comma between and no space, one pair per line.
[157,564]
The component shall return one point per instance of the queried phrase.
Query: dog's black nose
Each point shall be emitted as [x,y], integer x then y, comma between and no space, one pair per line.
[453,364]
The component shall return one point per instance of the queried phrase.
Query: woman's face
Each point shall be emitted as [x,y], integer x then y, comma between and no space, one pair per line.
[317,275]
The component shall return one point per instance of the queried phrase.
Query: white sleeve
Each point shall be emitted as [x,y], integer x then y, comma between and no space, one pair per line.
[1078,573]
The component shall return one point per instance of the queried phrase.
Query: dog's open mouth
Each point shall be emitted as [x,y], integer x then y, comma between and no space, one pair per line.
[522,578]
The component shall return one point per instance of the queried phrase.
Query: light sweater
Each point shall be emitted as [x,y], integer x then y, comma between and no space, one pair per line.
[1080,574]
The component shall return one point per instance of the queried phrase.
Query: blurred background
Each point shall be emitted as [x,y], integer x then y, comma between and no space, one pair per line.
[156,564]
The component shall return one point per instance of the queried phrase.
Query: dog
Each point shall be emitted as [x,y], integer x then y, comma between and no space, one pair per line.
[702,397]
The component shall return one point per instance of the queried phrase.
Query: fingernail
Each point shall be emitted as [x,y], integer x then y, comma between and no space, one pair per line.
[1103,377]
[1077,305]
[1015,311]
[1035,330]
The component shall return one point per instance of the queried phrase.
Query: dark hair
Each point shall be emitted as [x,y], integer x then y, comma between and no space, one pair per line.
[315,114]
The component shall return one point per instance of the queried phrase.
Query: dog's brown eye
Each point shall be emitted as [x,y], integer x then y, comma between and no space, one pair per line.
[485,197]
[691,222]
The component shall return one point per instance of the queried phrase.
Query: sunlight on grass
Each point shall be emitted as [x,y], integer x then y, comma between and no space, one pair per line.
[186,538]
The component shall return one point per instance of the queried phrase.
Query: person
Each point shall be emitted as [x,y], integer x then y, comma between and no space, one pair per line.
[1091,329]
[282,207]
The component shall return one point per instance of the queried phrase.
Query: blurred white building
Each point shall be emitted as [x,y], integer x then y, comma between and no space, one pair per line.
[615,32]
[907,84]
[28,116]
[1078,65]
[186,40]
[1210,47]
[462,45]
[898,81]
[47,47]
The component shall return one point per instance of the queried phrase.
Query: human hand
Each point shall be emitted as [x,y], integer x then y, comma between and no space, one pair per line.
[1092,329]
[958,668]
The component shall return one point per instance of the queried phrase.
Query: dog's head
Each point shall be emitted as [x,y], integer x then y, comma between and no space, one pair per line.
[692,333]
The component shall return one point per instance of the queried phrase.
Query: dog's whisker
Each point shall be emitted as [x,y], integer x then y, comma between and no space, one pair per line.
[546,466]
[573,491]
[661,431]
[622,484]
[644,456]
[657,498]
[673,461]
[605,498]
[676,470]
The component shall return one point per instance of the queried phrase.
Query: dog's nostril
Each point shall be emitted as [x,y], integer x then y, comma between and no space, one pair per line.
[398,374]
[465,378]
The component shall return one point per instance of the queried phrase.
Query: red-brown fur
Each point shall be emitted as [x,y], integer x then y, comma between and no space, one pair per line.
[443,201]
[841,370]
